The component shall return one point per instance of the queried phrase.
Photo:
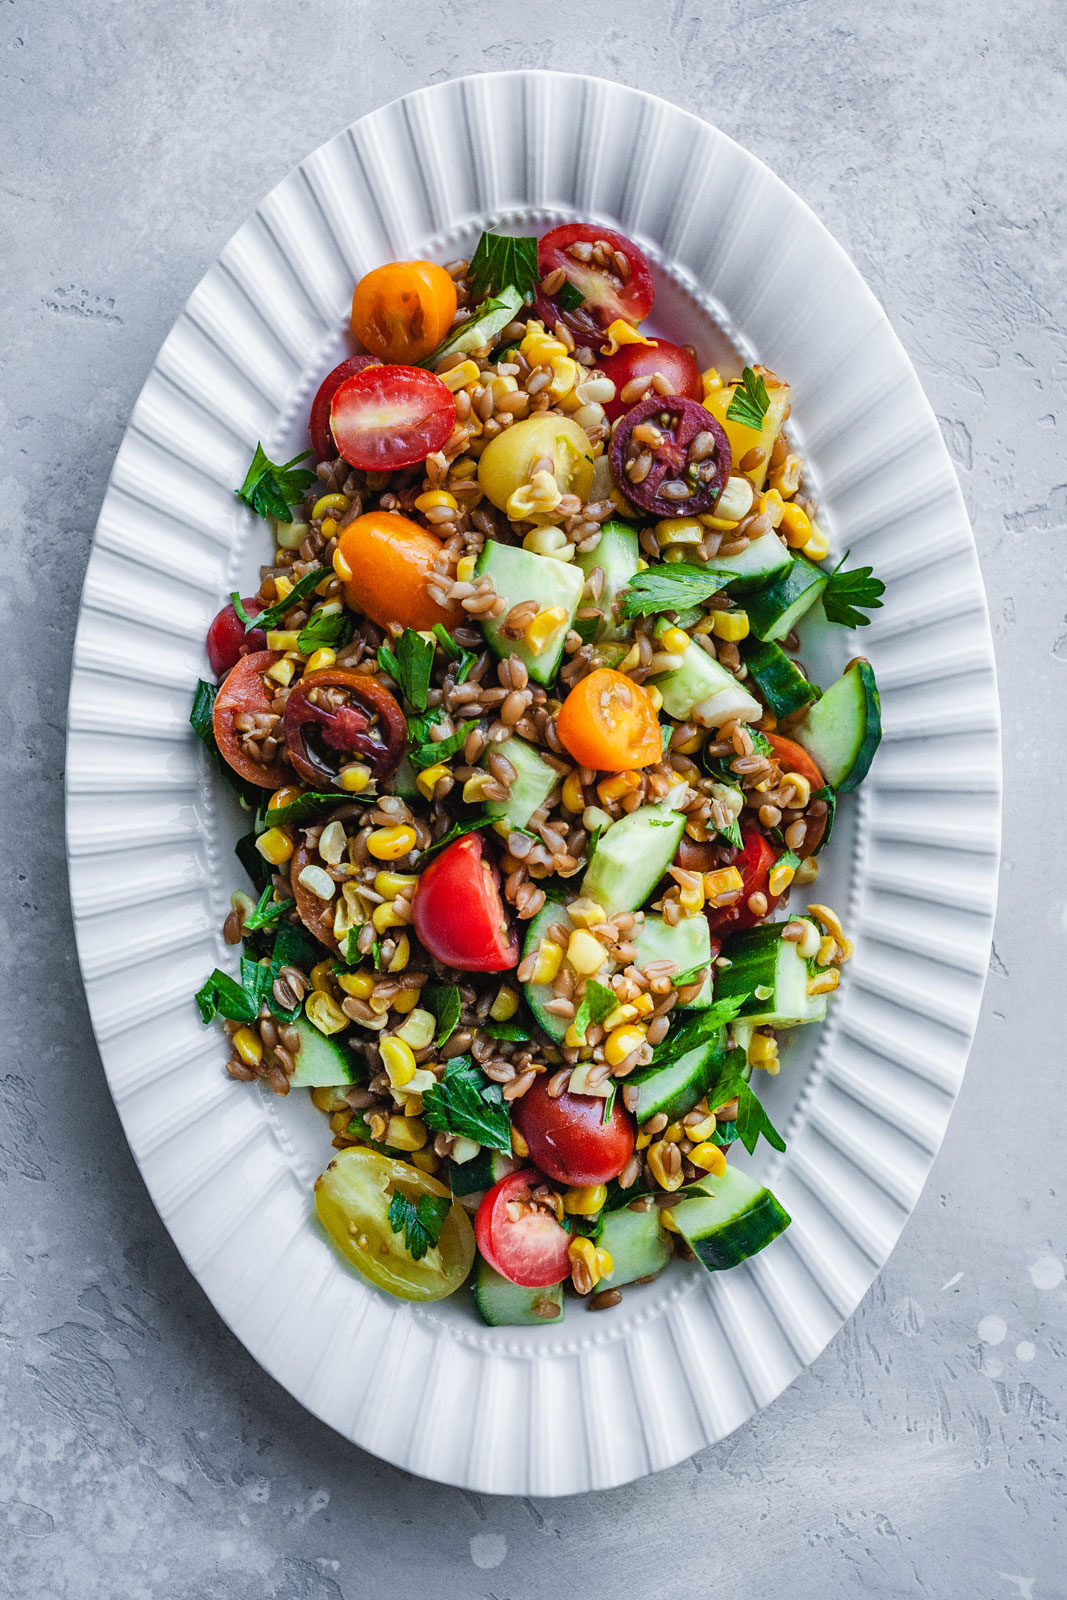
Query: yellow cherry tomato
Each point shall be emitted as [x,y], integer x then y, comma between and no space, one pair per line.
[385,561]
[402,312]
[506,462]
[609,723]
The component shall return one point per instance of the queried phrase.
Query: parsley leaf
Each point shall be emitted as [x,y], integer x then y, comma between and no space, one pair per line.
[444,1001]
[420,1222]
[325,630]
[352,953]
[223,996]
[306,806]
[609,1101]
[694,1031]
[750,401]
[426,752]
[275,614]
[598,1002]
[569,297]
[516,1032]
[259,870]
[846,591]
[504,262]
[752,1120]
[466,658]
[410,663]
[466,1104]
[270,490]
[456,831]
[672,587]
[268,911]
[829,796]
[200,715]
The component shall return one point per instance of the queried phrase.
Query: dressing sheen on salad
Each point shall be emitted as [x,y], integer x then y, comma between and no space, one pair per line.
[536,782]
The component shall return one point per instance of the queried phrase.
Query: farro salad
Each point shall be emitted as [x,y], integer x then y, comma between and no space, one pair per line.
[531,767]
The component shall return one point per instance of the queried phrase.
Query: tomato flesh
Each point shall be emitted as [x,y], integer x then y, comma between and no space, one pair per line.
[336,716]
[609,723]
[685,473]
[319,422]
[385,562]
[459,914]
[568,1138]
[245,691]
[606,294]
[389,417]
[754,863]
[641,361]
[792,757]
[227,640]
[530,1250]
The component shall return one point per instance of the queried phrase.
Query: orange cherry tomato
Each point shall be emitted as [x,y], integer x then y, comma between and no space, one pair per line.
[402,312]
[385,561]
[609,723]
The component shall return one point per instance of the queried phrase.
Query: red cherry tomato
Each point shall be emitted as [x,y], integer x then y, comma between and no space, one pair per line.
[458,912]
[641,361]
[245,691]
[792,757]
[685,472]
[754,863]
[530,1250]
[316,914]
[335,716]
[389,417]
[319,422]
[607,293]
[568,1137]
[227,640]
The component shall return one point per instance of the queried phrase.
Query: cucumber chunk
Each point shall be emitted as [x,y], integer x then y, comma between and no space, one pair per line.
[779,680]
[725,1220]
[321,1063]
[773,975]
[764,561]
[481,1172]
[617,556]
[539,994]
[491,318]
[631,858]
[687,944]
[676,1088]
[534,782]
[503,1304]
[520,575]
[703,691]
[843,730]
[775,611]
[637,1244]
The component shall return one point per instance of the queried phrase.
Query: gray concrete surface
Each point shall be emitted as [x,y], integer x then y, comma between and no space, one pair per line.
[142,1454]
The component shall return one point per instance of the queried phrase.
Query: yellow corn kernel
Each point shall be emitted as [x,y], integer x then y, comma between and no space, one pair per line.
[405,1133]
[341,567]
[434,498]
[572,796]
[401,956]
[724,886]
[845,951]
[586,913]
[465,569]
[328,502]
[616,1018]
[621,1042]
[418,1027]
[710,381]
[772,505]
[390,884]
[282,672]
[358,984]
[324,1013]
[275,846]
[762,1047]
[505,1005]
[384,917]
[474,788]
[283,797]
[406,1000]
[690,892]
[539,348]
[619,784]
[674,1133]
[425,1160]
[549,541]
[827,950]
[587,1262]
[689,747]
[801,789]
[547,962]
[328,529]
[605,1262]
[657,1166]
[731,626]
[389,844]
[331,1100]
[675,640]
[654,695]
[354,778]
[397,1059]
[828,920]
[320,976]
[817,547]
[585,1202]
[620,333]
[781,876]
[795,526]
[457,378]
[538,633]
[709,1158]
[642,1141]
[825,982]
[699,1131]
[808,870]
[679,530]
[427,780]
[319,660]
[249,1046]
[667,1219]
[282,638]
[565,373]
[786,478]
[585,953]
[643,1004]
[501,828]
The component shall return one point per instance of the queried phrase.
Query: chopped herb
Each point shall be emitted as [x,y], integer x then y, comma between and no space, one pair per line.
[444,1001]
[223,996]
[594,840]
[830,798]
[504,262]
[569,297]
[517,1032]
[609,1101]
[671,587]
[456,831]
[788,858]
[259,870]
[750,401]
[446,641]
[325,630]
[701,1029]
[292,948]
[847,591]
[410,663]
[752,1120]
[270,490]
[725,1134]
[376,955]
[666,735]
[598,1002]
[419,1221]
[200,715]
[352,953]
[425,752]
[276,614]
[589,1227]
[256,980]
[467,660]
[691,974]
[466,1104]
[267,911]
[306,806]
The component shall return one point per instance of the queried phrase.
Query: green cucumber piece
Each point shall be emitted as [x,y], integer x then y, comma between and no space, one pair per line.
[843,729]
[480,1172]
[702,690]
[772,975]
[520,575]
[726,1220]
[539,994]
[617,555]
[765,560]
[534,782]
[631,858]
[491,318]
[687,944]
[775,611]
[676,1088]
[321,1063]
[637,1243]
[503,1304]
[779,680]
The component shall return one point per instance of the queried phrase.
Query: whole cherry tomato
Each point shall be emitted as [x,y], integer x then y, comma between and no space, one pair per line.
[609,288]
[641,361]
[568,1138]
[459,914]
[245,692]
[608,722]
[385,561]
[227,640]
[792,757]
[402,311]
[336,716]
[319,422]
[530,1248]
[389,417]
[754,863]
[683,474]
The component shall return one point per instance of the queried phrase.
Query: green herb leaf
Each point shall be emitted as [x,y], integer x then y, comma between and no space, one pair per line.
[444,1001]
[456,831]
[504,262]
[788,858]
[259,870]
[325,630]
[410,664]
[466,1104]
[420,1222]
[307,805]
[830,797]
[690,975]
[200,715]
[609,1100]
[425,752]
[569,297]
[699,1029]
[223,996]
[376,955]
[293,947]
[517,1032]
[446,641]
[598,1002]
[275,615]
[752,1120]
[847,591]
[352,953]
[270,490]
[750,401]
[268,911]
[671,587]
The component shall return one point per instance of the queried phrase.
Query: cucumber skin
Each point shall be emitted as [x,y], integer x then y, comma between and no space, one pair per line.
[743,1236]
[755,955]
[746,582]
[870,738]
[782,685]
[342,1070]
[489,1286]
[516,809]
[676,1088]
[773,611]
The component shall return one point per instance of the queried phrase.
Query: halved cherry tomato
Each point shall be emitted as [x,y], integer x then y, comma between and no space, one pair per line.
[608,722]
[792,757]
[319,422]
[385,562]
[568,1138]
[316,914]
[402,311]
[685,472]
[754,863]
[641,361]
[389,417]
[245,691]
[458,912]
[530,1249]
[336,716]
[606,292]
[227,640]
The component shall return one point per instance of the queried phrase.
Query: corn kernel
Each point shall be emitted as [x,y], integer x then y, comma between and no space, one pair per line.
[405,1133]
[547,962]
[676,640]
[654,696]
[699,1131]
[772,505]
[283,797]
[465,569]
[341,567]
[433,499]
[690,891]
[401,955]
[801,789]
[689,747]
[282,638]
[505,1005]
[549,541]
[425,1160]
[572,1039]
[398,1060]
[808,870]
[828,920]
[275,846]
[620,333]
[565,373]
[328,502]
[621,1014]
[354,777]
[642,1141]
[795,526]
[817,547]
[249,1046]
[586,1201]
[572,796]
[320,976]
[679,530]
[781,876]
[586,913]
[667,1219]
[825,982]
[457,378]
[643,1004]
[475,787]
[390,884]
[538,633]
[358,984]
[389,844]
[731,626]
[384,917]
[657,1163]
[762,1047]
[585,953]
[320,660]
[283,587]
[317,881]
[282,672]
[618,785]
[324,1013]
[621,1042]
[418,1028]
[723,887]
[328,529]
[827,950]
[586,1266]
[406,1001]
[427,780]
[605,1262]
[709,1158]
[786,478]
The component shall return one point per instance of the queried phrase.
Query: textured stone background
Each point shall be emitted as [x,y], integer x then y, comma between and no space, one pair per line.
[142,1454]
